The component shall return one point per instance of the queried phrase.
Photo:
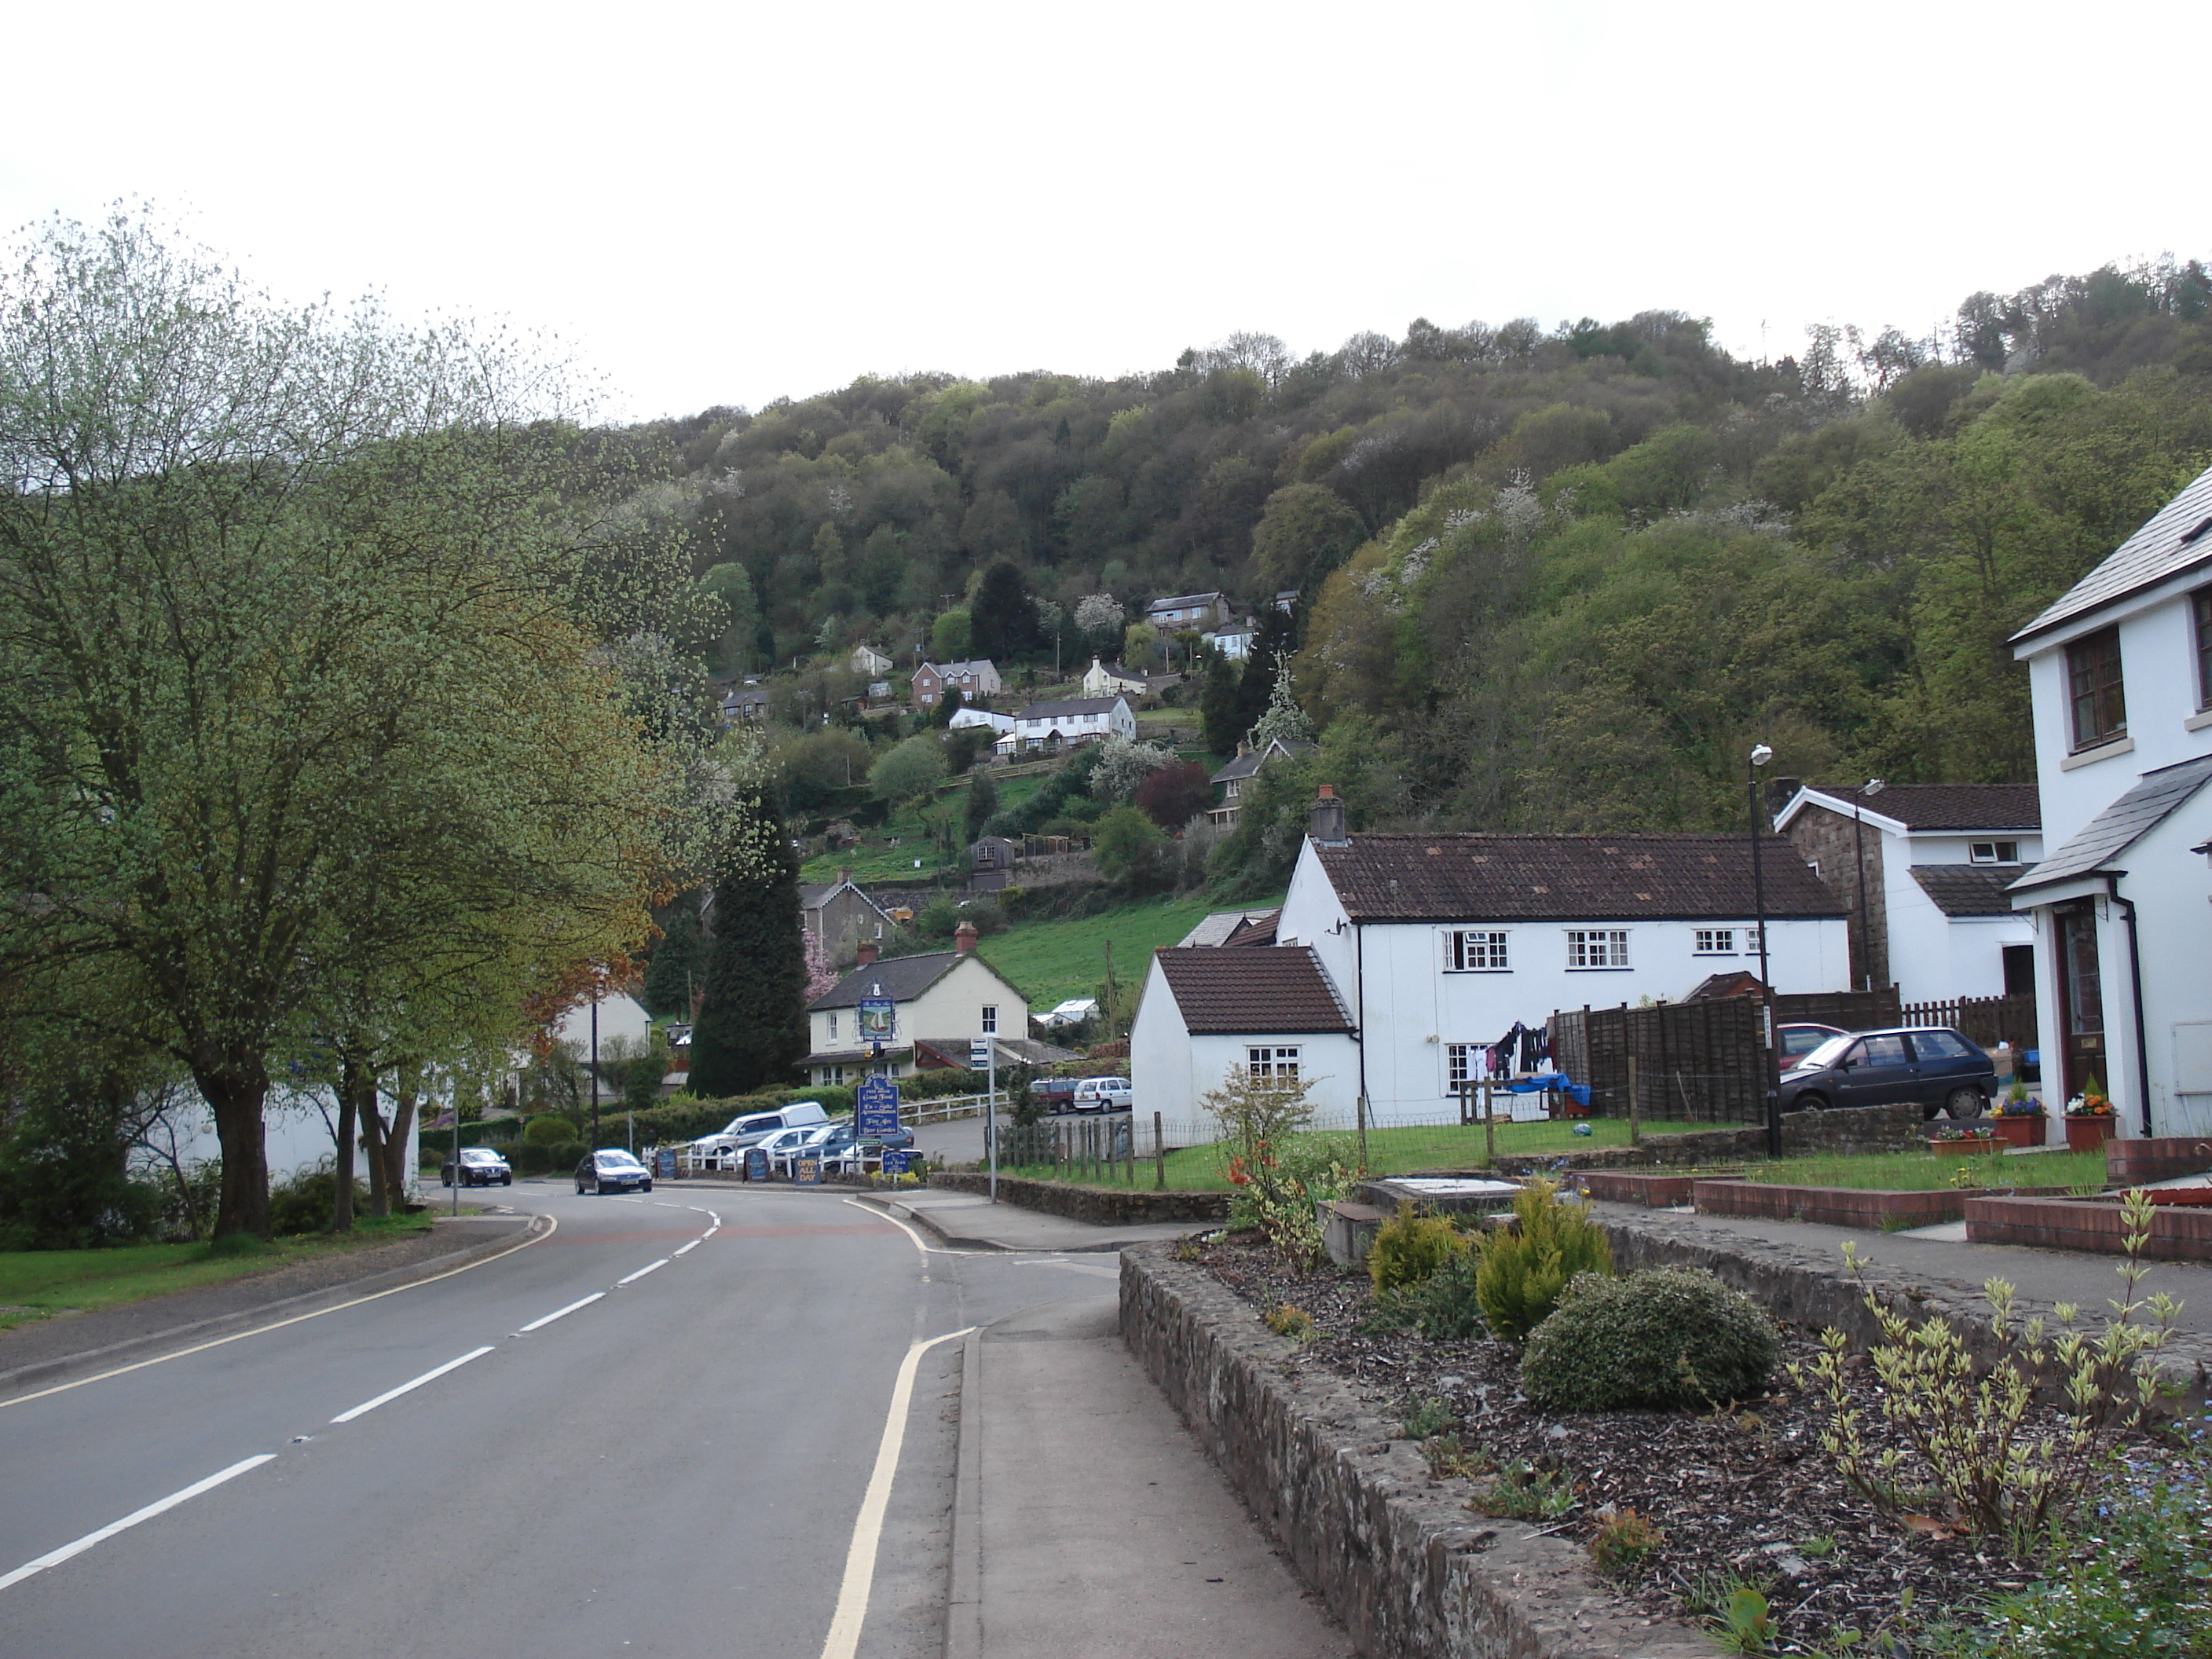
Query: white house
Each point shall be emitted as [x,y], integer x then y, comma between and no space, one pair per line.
[1934,860]
[1442,942]
[621,1015]
[1000,724]
[1207,1012]
[1179,612]
[2120,672]
[1234,640]
[1072,720]
[866,659]
[943,997]
[1101,680]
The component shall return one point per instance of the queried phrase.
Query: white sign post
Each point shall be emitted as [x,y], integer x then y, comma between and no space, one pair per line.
[982,1052]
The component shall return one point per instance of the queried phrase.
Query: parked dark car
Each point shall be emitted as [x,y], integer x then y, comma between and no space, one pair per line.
[1058,1093]
[480,1166]
[1802,1037]
[612,1171]
[1933,1067]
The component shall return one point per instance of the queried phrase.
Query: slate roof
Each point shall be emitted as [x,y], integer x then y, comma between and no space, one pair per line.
[1254,930]
[1480,877]
[1236,992]
[1969,889]
[1243,766]
[1053,711]
[903,979]
[1950,805]
[2164,547]
[1216,929]
[1182,601]
[2120,825]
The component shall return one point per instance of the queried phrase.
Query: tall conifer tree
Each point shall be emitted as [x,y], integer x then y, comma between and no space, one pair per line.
[752,1023]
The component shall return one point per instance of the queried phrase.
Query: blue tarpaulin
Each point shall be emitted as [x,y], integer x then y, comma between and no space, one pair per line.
[1577,1092]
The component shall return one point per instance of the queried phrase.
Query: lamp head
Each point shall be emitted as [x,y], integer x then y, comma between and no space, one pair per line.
[1874,786]
[1761,754]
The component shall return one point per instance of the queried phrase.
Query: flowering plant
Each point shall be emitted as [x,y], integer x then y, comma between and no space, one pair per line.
[2090,1102]
[1963,1132]
[2018,1102]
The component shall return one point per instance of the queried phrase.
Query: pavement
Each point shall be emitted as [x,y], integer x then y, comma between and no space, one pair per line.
[771,1421]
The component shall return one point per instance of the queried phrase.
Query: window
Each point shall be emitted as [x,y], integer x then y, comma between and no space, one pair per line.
[1715,941]
[833,1026]
[1994,852]
[990,1019]
[2201,603]
[1459,1063]
[1750,941]
[833,1076]
[2092,680]
[1607,948]
[1881,1051]
[1273,1062]
[1940,1045]
[1477,953]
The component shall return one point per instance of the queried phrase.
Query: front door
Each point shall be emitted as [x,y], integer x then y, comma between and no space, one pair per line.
[2081,1002]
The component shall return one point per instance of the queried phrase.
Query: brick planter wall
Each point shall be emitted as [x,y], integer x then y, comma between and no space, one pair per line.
[2136,1162]
[2177,1233]
[1626,1187]
[1393,1554]
[1834,1206]
[1113,1205]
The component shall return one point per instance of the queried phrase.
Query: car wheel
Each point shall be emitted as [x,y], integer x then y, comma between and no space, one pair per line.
[598,1187]
[645,1187]
[1809,1104]
[506,1181]
[580,1190]
[1968,1102]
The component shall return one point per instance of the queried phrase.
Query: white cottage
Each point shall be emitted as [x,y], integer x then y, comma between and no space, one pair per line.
[1207,1012]
[1924,869]
[2120,672]
[942,998]
[1443,943]
[1069,721]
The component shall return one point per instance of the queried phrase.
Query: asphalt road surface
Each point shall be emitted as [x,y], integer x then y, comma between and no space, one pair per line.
[656,1432]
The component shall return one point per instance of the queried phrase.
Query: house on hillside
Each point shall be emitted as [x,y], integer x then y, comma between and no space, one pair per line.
[1106,681]
[1267,1012]
[1233,778]
[1062,725]
[1935,859]
[869,662]
[745,702]
[1180,612]
[974,680]
[1232,640]
[2120,673]
[942,998]
[1232,927]
[841,917]
[1440,945]
[1000,724]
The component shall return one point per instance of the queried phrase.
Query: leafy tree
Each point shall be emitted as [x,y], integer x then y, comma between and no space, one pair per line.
[947,706]
[909,772]
[1305,532]
[731,586]
[813,771]
[1126,842]
[1140,645]
[1123,763]
[950,638]
[751,1027]
[1283,720]
[678,961]
[1004,617]
[982,804]
[1220,707]
[1175,794]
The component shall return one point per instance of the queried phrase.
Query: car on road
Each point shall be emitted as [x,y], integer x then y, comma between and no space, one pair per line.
[1932,1066]
[1058,1093]
[611,1169]
[479,1166]
[1103,1094]
[1802,1036]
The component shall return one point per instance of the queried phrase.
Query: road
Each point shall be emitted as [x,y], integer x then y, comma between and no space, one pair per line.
[675,1465]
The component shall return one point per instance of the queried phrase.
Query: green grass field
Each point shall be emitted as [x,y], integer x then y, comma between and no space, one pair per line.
[1053,961]
[875,859]
[34,1284]
[1918,1172]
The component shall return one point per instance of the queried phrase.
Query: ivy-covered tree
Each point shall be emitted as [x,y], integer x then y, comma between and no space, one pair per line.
[752,1029]
[1004,617]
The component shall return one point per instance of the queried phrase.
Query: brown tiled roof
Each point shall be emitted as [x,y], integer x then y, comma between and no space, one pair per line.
[1952,806]
[1231,992]
[1477,877]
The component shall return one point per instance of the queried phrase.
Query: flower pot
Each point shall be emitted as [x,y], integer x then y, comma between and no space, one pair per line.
[2086,1135]
[2019,1131]
[1985,1144]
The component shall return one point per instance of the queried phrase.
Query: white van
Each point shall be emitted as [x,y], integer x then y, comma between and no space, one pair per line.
[743,1130]
[1103,1094]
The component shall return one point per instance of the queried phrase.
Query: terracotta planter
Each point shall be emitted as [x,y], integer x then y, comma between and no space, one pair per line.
[1947,1148]
[2019,1131]
[2086,1135]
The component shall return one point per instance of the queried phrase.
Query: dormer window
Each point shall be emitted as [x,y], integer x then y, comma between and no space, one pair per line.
[1993,852]
[2093,683]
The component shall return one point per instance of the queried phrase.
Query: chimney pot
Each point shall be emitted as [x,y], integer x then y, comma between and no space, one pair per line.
[964,937]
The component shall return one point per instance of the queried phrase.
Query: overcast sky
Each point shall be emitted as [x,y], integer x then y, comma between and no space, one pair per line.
[729,202]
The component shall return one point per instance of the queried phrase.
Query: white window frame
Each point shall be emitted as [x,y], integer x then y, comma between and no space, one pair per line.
[990,1019]
[1992,852]
[1596,950]
[1272,1060]
[833,1025]
[1714,942]
[1477,950]
[1462,1064]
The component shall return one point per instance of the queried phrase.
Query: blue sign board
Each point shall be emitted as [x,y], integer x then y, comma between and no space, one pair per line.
[665,1163]
[876,1105]
[879,1019]
[894,1162]
[806,1172]
[756,1164]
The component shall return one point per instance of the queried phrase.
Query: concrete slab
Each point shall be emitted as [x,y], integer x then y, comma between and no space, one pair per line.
[1098,1529]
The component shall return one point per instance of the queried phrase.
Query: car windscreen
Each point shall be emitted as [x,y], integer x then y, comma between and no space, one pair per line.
[620,1160]
[478,1155]
[1827,1053]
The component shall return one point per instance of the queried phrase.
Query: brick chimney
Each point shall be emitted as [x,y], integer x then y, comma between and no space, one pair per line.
[1328,821]
[963,938]
[845,874]
[869,949]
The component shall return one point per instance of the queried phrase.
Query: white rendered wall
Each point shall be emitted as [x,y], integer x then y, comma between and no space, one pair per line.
[1170,1070]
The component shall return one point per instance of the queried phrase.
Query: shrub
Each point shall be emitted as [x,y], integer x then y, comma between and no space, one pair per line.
[548,1128]
[1446,1306]
[1520,1273]
[1667,1337]
[303,1202]
[1623,1540]
[63,1183]
[1409,1247]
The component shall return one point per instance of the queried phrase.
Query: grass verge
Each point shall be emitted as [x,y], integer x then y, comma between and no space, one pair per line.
[1918,1172]
[38,1284]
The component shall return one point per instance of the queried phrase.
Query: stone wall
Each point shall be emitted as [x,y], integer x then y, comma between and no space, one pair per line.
[1410,1573]
[1825,840]
[1112,1205]
[1804,1134]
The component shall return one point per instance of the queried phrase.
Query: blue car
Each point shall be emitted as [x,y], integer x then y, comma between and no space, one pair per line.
[1933,1067]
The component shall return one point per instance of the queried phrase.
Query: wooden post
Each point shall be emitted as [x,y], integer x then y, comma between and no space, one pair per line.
[1635,1118]
[1359,1106]
[1159,1154]
[1489,1130]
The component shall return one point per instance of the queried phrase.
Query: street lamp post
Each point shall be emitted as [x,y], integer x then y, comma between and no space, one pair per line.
[1872,787]
[1759,755]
